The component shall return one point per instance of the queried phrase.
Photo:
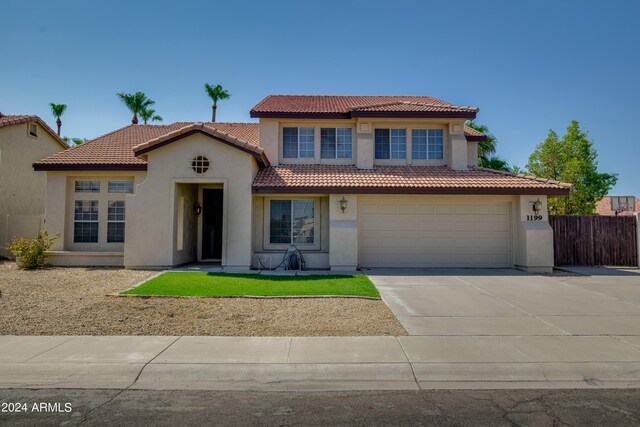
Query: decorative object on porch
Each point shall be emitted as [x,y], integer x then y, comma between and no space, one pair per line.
[197,209]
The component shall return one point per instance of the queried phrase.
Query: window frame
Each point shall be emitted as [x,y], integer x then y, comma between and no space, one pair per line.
[117,183]
[91,188]
[315,246]
[390,144]
[86,221]
[298,142]
[116,221]
[427,144]
[336,142]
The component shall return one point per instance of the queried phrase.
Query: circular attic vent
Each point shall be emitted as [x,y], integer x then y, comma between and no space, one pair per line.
[200,164]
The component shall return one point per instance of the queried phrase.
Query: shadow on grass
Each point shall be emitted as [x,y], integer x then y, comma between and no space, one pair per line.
[283,278]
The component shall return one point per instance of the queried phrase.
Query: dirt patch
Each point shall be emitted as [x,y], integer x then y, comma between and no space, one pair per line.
[74,301]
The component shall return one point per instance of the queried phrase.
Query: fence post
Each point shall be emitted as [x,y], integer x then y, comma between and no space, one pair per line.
[637,215]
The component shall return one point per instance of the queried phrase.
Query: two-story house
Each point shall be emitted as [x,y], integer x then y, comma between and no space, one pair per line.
[351,181]
[24,139]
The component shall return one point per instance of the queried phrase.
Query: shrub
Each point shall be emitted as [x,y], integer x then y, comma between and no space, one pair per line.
[30,252]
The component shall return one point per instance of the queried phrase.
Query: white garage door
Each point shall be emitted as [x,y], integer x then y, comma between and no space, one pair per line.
[423,232]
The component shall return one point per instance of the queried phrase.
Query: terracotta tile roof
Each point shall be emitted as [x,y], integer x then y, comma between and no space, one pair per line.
[18,119]
[358,106]
[114,150]
[206,129]
[401,180]
[473,135]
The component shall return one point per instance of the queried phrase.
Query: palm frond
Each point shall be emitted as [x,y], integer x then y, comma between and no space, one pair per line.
[57,109]
[216,93]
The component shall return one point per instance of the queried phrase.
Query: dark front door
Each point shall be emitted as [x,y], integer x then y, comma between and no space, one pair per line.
[212,223]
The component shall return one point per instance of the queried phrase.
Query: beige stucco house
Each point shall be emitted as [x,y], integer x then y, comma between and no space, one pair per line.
[24,139]
[351,181]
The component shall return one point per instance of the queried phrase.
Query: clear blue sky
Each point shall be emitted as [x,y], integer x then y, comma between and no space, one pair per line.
[530,67]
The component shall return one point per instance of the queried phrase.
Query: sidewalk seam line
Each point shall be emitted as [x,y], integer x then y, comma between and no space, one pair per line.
[413,372]
[49,349]
[516,307]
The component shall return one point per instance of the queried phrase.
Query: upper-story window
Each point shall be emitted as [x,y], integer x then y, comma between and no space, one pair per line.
[298,143]
[391,144]
[87,187]
[336,143]
[427,144]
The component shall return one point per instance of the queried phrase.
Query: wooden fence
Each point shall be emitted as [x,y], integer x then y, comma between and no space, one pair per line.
[595,240]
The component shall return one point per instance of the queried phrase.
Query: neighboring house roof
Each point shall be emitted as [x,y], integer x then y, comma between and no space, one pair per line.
[400,180]
[603,207]
[345,107]
[210,130]
[18,119]
[114,150]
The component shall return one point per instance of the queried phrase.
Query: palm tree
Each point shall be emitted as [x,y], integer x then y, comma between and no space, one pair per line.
[58,110]
[216,93]
[485,148]
[136,103]
[150,114]
[495,163]
[76,141]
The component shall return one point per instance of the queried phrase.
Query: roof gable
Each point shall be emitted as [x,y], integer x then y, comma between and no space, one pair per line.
[210,131]
[114,150]
[18,119]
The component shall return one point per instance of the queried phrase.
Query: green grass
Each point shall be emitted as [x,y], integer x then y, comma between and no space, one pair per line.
[227,284]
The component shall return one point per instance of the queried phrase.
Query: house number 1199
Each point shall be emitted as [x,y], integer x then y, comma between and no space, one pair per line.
[534,217]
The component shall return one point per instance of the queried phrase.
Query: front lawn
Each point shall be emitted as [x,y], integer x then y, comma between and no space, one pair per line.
[227,284]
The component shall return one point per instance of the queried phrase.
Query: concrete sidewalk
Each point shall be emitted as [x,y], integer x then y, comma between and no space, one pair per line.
[319,363]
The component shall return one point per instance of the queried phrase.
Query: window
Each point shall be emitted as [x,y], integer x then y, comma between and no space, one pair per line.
[85,221]
[200,164]
[87,186]
[435,144]
[335,143]
[120,187]
[426,144]
[297,143]
[292,221]
[391,144]
[33,130]
[115,222]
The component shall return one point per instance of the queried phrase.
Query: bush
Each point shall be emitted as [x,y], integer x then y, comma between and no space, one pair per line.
[30,252]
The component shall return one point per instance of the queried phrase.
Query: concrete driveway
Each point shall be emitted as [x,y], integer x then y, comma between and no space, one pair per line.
[493,302]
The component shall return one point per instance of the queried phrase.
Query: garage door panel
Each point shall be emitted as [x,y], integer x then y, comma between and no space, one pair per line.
[422,233]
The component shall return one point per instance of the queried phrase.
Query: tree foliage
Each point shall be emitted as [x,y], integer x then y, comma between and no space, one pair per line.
[216,93]
[58,110]
[571,159]
[150,114]
[487,149]
[136,103]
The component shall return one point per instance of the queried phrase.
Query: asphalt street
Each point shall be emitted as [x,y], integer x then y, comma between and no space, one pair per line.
[449,407]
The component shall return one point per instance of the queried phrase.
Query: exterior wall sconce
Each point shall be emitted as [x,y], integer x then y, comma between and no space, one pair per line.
[342,203]
[536,206]
[197,209]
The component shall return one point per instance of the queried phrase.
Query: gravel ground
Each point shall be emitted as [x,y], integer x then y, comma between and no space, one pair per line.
[74,301]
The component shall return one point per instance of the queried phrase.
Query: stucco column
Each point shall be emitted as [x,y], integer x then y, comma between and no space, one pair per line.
[343,232]
[269,140]
[364,146]
[534,252]
[458,151]
[55,211]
